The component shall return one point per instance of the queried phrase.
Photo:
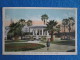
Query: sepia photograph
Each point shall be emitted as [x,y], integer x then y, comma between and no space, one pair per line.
[39,31]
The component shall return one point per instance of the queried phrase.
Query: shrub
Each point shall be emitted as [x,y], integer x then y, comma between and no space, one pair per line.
[31,37]
[43,38]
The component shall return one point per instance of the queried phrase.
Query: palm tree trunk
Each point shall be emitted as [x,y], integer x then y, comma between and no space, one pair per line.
[21,35]
[52,36]
[69,34]
[64,31]
[69,31]
[44,21]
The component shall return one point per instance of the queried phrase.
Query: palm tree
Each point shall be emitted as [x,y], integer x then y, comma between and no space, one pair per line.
[15,30]
[58,30]
[51,27]
[29,23]
[22,22]
[71,22]
[44,18]
[64,23]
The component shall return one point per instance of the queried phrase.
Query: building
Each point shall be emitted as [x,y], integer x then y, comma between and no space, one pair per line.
[6,32]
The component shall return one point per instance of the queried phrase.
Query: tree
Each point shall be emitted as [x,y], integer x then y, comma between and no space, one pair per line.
[64,23]
[71,22]
[29,23]
[44,18]
[58,30]
[15,30]
[51,27]
[22,22]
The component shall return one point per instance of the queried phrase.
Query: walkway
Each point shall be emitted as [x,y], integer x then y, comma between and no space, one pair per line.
[35,41]
[55,48]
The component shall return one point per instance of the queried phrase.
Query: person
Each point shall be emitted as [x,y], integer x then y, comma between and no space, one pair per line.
[48,44]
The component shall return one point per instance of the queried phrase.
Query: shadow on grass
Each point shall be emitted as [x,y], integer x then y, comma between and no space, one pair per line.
[65,42]
[73,50]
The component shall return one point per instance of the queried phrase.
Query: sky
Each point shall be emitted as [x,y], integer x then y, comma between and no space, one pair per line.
[35,14]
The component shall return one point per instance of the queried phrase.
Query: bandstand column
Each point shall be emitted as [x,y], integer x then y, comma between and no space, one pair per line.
[39,32]
[42,31]
[36,31]
[33,32]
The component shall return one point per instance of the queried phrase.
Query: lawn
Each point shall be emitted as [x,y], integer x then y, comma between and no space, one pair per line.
[8,41]
[65,42]
[22,46]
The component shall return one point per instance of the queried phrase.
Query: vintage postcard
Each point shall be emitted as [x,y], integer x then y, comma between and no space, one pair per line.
[39,31]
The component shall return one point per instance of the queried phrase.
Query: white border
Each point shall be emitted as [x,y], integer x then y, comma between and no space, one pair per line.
[37,53]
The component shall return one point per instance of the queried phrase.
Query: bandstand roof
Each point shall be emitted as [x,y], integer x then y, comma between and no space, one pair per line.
[38,26]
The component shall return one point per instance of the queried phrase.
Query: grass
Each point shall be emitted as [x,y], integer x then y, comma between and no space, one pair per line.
[8,41]
[22,46]
[65,42]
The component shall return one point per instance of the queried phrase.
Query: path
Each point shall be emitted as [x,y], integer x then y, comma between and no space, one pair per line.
[55,48]
[24,42]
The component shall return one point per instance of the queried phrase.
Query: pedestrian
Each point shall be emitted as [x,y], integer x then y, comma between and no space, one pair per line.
[48,44]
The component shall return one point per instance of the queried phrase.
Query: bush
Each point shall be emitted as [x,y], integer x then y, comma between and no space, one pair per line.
[31,38]
[43,38]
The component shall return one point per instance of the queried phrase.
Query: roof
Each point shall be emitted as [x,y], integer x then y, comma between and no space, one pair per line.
[38,26]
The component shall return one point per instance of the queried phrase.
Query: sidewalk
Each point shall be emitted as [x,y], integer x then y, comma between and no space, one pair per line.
[55,48]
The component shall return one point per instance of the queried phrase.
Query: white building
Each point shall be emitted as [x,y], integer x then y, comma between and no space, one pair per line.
[6,32]
[37,30]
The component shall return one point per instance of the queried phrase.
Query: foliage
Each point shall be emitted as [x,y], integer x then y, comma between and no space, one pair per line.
[51,27]
[29,23]
[64,22]
[68,23]
[31,37]
[58,30]
[44,17]
[15,29]
[43,38]
[71,22]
